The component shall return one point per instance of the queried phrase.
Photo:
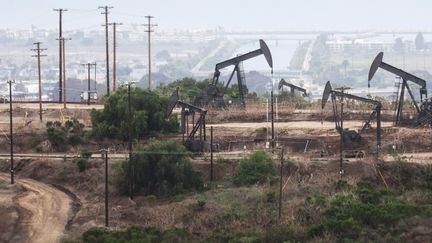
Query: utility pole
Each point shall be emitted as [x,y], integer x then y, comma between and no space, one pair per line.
[114,25]
[105,153]
[281,182]
[211,153]
[105,8]
[60,11]
[88,80]
[95,75]
[10,82]
[272,121]
[38,55]
[149,26]
[131,173]
[62,41]
[342,90]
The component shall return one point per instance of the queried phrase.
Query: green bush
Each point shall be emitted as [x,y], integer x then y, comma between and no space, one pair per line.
[60,136]
[81,163]
[257,168]
[164,168]
[199,205]
[85,154]
[148,115]
[135,234]
[349,213]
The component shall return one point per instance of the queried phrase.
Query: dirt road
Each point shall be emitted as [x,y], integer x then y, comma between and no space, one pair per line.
[295,124]
[43,210]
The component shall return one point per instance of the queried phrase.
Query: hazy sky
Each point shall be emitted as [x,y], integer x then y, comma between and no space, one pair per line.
[228,14]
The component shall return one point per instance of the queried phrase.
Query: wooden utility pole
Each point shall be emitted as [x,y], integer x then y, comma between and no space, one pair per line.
[105,8]
[149,26]
[10,82]
[38,55]
[60,11]
[105,154]
[114,25]
[281,182]
[62,41]
[341,149]
[131,172]
[211,153]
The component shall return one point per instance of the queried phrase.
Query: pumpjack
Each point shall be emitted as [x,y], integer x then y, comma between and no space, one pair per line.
[424,110]
[189,114]
[350,136]
[213,94]
[292,87]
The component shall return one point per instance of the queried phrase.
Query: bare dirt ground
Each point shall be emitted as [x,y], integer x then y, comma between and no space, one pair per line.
[37,212]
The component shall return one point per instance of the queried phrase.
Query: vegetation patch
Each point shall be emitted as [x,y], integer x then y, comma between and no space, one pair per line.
[148,110]
[163,168]
[257,168]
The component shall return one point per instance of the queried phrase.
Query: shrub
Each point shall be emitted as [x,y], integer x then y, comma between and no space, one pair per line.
[349,213]
[136,234]
[81,163]
[85,154]
[270,196]
[199,205]
[148,115]
[164,168]
[59,136]
[257,168]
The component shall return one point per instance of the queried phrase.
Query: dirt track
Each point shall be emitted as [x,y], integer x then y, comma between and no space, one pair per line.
[43,210]
[295,124]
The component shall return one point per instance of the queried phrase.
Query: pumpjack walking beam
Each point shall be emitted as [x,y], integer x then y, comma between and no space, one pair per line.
[328,91]
[405,76]
[213,95]
[292,87]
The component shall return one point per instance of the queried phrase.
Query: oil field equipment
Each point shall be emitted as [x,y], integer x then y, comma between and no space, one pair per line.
[424,111]
[190,114]
[351,135]
[213,94]
[292,87]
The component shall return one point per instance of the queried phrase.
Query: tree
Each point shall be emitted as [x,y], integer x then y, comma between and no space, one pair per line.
[419,42]
[188,87]
[164,168]
[148,115]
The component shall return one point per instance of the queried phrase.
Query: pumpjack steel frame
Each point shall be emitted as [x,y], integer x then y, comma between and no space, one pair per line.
[188,115]
[213,95]
[376,113]
[292,87]
[423,110]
